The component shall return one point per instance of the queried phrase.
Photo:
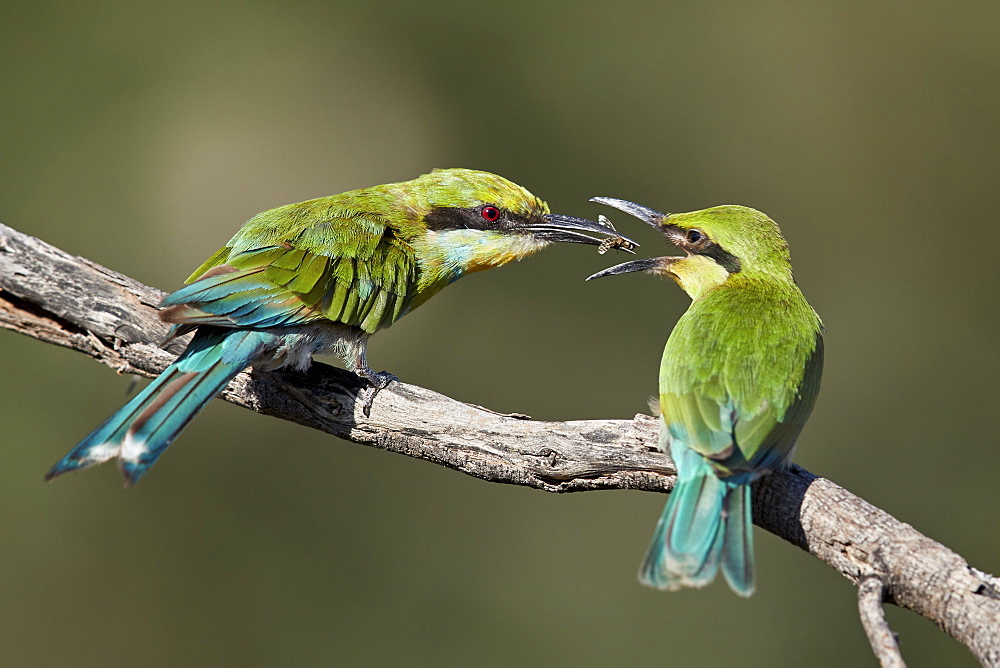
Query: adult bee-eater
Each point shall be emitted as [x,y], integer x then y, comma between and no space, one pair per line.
[739,377]
[323,276]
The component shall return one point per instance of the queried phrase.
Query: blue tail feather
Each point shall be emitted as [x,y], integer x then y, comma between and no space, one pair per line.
[705,524]
[737,553]
[142,429]
[698,504]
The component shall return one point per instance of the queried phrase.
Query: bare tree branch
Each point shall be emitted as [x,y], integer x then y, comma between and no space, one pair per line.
[871,588]
[50,295]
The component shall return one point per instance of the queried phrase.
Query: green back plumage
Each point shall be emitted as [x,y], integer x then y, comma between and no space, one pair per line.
[733,370]
[357,258]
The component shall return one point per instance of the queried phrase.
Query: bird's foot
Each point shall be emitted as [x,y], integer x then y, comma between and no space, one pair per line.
[378,381]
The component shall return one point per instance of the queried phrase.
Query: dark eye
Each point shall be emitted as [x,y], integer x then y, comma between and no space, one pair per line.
[490,213]
[694,236]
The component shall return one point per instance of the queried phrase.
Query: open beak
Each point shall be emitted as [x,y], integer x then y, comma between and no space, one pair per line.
[654,265]
[556,227]
[652,217]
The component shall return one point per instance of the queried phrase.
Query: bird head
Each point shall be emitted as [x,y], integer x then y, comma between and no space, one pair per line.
[476,220]
[720,244]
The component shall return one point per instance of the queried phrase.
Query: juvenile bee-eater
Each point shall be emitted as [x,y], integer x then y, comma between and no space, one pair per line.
[739,377]
[323,276]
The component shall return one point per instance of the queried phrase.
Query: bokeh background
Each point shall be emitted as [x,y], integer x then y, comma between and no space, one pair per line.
[141,135]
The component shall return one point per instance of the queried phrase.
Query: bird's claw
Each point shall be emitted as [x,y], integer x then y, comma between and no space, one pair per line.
[377,381]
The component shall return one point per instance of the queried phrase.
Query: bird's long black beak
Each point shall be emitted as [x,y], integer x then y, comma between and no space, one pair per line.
[556,227]
[653,264]
[643,213]
[652,217]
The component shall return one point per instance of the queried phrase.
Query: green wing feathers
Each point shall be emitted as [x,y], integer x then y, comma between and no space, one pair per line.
[349,270]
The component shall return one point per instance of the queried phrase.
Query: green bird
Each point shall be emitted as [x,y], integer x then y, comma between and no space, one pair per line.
[323,276]
[738,380]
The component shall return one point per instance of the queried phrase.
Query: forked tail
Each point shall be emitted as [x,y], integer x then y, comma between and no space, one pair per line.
[143,428]
[706,525]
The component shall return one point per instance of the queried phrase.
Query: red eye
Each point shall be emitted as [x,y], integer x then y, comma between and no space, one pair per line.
[490,213]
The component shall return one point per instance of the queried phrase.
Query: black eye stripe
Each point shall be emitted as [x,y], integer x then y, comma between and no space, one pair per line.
[724,258]
[703,245]
[458,218]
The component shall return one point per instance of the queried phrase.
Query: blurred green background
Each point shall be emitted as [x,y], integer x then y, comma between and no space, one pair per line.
[141,135]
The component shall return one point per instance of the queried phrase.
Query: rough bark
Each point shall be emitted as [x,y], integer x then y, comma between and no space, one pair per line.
[871,589]
[53,296]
